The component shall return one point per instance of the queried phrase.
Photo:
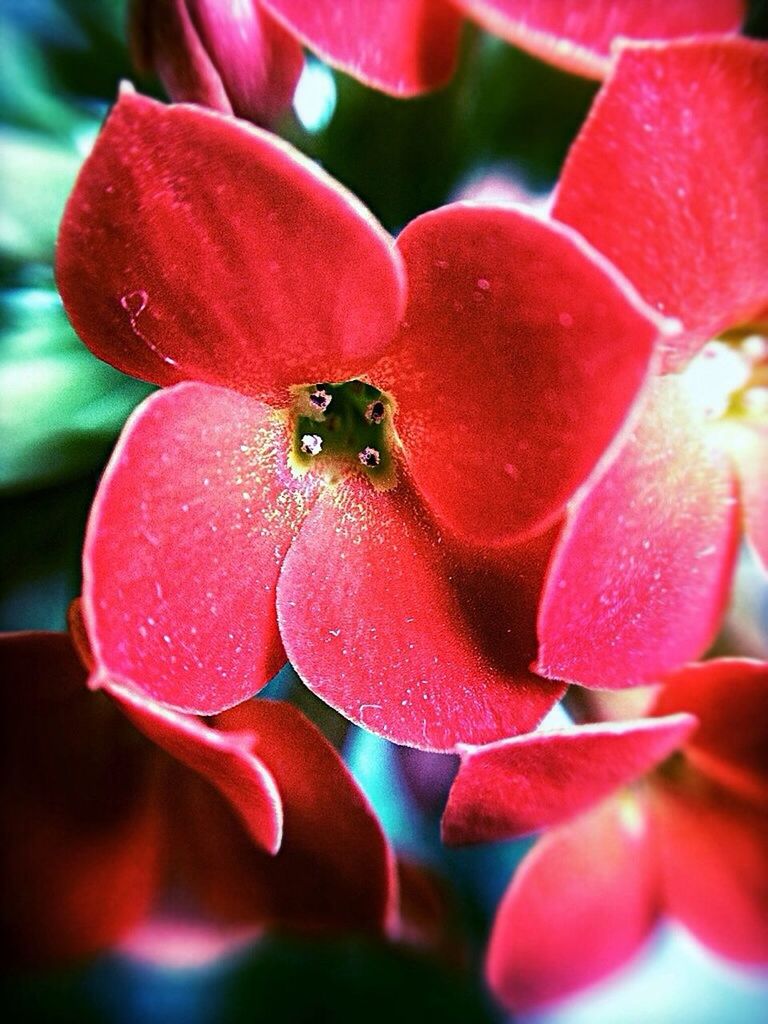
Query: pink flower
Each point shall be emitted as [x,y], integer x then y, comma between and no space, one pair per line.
[119,812]
[668,817]
[667,179]
[245,58]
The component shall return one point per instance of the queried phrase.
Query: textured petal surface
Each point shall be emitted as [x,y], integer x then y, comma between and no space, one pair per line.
[518,360]
[391,627]
[196,246]
[334,868]
[225,759]
[186,537]
[729,696]
[80,825]
[638,583]
[580,905]
[690,230]
[578,36]
[401,46]
[748,446]
[518,786]
[714,853]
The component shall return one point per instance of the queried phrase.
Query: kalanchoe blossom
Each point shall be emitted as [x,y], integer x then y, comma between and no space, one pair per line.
[114,805]
[342,473]
[663,815]
[643,567]
[245,57]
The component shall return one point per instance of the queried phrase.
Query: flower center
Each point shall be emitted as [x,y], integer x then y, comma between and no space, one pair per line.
[343,427]
[728,378]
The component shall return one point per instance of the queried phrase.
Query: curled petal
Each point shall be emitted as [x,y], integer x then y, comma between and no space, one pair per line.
[688,229]
[581,904]
[403,47]
[187,533]
[81,826]
[729,696]
[518,360]
[643,568]
[578,36]
[517,786]
[334,869]
[195,246]
[714,849]
[388,625]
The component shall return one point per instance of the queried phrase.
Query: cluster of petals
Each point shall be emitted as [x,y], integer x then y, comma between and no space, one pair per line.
[119,813]
[664,814]
[246,58]
[643,567]
[204,255]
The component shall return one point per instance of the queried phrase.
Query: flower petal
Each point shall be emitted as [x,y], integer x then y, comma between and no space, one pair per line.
[578,37]
[187,533]
[689,229]
[334,869]
[729,696]
[518,786]
[226,760]
[196,246]
[748,446]
[643,568]
[714,851]
[231,58]
[391,627]
[81,827]
[403,47]
[580,905]
[519,357]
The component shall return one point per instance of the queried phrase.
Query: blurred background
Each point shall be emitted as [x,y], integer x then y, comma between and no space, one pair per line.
[501,128]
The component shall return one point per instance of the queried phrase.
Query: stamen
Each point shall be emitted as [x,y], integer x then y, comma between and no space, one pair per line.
[375,412]
[369,457]
[320,399]
[311,444]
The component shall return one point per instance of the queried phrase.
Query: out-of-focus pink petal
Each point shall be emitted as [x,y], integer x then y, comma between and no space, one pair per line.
[714,850]
[187,533]
[334,869]
[81,826]
[580,905]
[645,182]
[519,357]
[518,786]
[729,696]
[637,585]
[578,36]
[390,626]
[747,444]
[225,759]
[403,47]
[196,246]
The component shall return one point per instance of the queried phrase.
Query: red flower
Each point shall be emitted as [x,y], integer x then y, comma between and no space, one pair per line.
[246,58]
[667,179]
[255,816]
[685,834]
[197,248]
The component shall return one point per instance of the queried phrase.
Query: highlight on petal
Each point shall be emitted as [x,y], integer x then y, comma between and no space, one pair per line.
[518,786]
[714,849]
[232,57]
[226,759]
[518,360]
[334,870]
[391,626]
[197,246]
[187,533]
[578,36]
[403,47]
[729,696]
[581,903]
[638,582]
[81,827]
[688,229]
